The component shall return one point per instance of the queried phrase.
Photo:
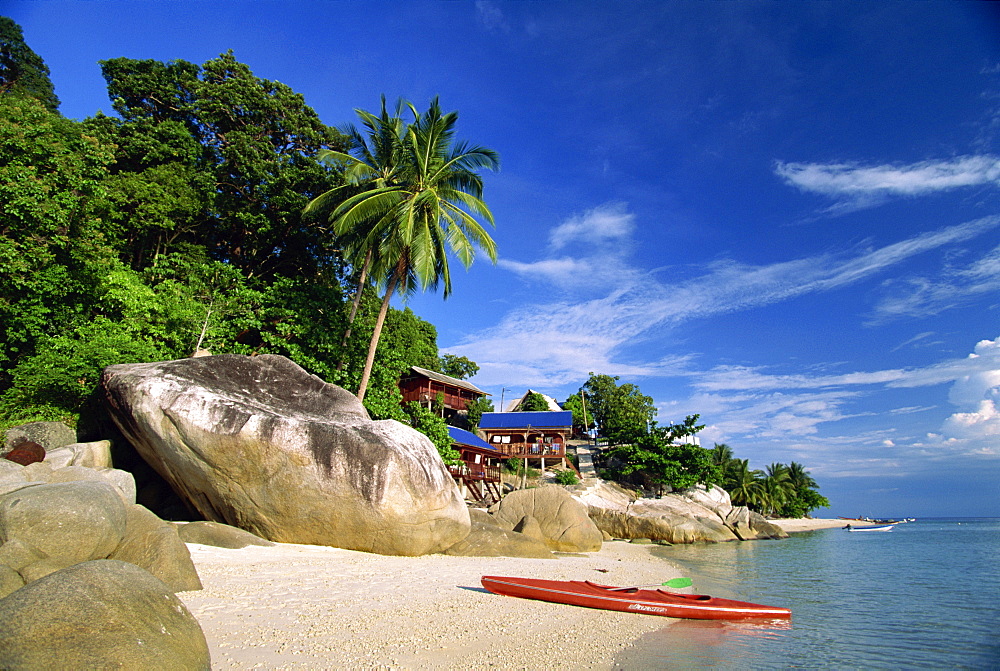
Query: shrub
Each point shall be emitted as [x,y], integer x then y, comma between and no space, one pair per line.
[566,478]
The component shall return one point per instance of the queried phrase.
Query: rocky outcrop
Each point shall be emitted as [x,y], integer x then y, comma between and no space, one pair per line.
[53,518]
[692,516]
[487,539]
[748,525]
[552,515]
[99,615]
[258,443]
[218,535]
[90,455]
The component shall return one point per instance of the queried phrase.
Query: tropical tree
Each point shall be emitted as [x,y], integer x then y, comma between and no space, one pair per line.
[533,402]
[577,404]
[665,457]
[475,409]
[459,367]
[722,455]
[373,161]
[427,207]
[622,411]
[742,483]
[21,69]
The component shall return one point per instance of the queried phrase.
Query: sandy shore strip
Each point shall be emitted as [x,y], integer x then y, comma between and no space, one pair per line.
[310,607]
[805,524]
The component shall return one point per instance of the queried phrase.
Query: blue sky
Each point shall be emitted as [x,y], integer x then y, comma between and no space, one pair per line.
[782,216]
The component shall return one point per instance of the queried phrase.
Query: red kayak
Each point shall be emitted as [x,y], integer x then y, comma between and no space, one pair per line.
[630,599]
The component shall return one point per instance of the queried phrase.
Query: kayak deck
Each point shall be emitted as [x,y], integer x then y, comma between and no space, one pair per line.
[630,600]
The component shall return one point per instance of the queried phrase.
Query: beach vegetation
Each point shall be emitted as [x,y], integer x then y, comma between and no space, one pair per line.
[665,458]
[778,491]
[458,367]
[431,425]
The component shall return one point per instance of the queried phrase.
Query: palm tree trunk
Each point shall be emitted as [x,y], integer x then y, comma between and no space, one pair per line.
[354,309]
[373,344]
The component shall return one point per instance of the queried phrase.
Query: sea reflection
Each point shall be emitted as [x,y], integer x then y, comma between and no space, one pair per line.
[704,643]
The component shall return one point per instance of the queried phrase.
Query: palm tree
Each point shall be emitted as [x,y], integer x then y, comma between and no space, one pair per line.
[374,162]
[722,454]
[776,488]
[800,478]
[743,482]
[425,208]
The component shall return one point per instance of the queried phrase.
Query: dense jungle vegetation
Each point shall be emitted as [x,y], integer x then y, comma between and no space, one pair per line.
[179,224]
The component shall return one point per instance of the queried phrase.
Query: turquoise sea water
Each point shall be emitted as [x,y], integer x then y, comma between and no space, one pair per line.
[925,595]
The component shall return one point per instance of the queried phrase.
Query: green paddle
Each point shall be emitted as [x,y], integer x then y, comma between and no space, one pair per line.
[673,582]
[678,582]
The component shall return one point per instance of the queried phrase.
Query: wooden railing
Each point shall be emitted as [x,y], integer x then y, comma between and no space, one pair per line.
[530,450]
[453,401]
[468,471]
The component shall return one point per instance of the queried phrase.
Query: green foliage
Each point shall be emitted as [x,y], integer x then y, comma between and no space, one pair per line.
[458,367]
[781,491]
[662,458]
[533,402]
[566,478]
[516,467]
[432,426]
[22,71]
[583,418]
[177,224]
[622,412]
[476,408]
[65,370]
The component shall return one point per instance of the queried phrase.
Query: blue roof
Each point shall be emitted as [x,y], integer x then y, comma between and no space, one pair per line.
[522,420]
[463,437]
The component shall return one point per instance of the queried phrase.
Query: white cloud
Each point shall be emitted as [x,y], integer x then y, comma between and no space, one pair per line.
[604,223]
[854,182]
[572,336]
[922,296]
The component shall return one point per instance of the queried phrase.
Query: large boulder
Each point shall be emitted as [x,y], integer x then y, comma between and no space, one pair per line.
[258,443]
[99,615]
[551,513]
[489,540]
[155,545]
[659,525]
[672,518]
[77,521]
[749,525]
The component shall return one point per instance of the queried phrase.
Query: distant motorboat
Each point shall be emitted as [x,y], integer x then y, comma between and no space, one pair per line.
[882,527]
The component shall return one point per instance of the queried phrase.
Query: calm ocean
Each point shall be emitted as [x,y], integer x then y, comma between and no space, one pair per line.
[924,596]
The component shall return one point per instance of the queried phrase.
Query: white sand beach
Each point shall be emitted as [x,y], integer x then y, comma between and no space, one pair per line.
[309,607]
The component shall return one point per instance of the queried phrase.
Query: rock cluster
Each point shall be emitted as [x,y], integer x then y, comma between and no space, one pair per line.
[87,576]
[691,516]
[52,517]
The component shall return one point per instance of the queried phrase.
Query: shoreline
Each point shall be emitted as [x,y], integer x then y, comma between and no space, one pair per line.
[807,524]
[292,606]
[312,607]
